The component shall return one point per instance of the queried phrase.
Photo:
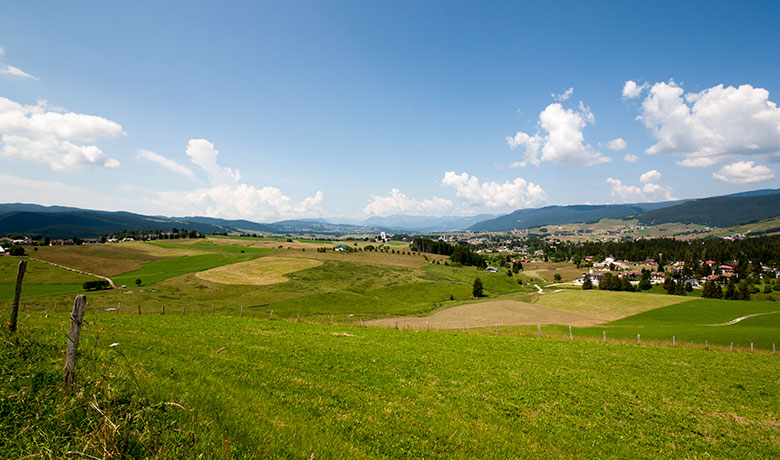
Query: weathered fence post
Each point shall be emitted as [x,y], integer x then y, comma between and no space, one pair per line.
[774,351]
[638,340]
[163,309]
[605,335]
[118,306]
[139,308]
[571,336]
[299,319]
[539,329]
[242,311]
[17,294]
[751,347]
[706,344]
[331,319]
[496,328]
[79,307]
[396,324]
[271,316]
[732,346]
[674,341]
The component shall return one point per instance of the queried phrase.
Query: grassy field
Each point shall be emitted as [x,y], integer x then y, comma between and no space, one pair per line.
[245,388]
[40,279]
[606,305]
[257,272]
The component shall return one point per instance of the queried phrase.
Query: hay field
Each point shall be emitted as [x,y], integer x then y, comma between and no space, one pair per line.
[257,272]
[101,259]
[408,260]
[487,314]
[606,305]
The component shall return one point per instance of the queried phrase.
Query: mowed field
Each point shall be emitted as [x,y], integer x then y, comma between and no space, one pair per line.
[257,272]
[242,388]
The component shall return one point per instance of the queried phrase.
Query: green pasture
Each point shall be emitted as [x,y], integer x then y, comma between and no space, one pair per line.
[241,388]
[40,279]
[349,291]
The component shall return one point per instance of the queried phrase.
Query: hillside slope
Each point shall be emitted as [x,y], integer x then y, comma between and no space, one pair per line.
[717,211]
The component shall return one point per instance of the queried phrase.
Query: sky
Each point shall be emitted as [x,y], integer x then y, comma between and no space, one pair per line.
[351,109]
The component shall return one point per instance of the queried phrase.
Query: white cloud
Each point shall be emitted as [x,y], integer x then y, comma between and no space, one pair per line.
[617,145]
[563,96]
[650,176]
[229,198]
[650,191]
[711,126]
[167,163]
[397,203]
[743,172]
[560,139]
[630,158]
[11,71]
[625,193]
[632,90]
[515,194]
[49,135]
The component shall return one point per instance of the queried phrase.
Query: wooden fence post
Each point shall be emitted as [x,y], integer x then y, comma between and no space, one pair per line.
[139,308]
[271,316]
[732,346]
[539,329]
[674,341]
[605,335]
[638,340]
[17,294]
[163,309]
[242,311]
[79,307]
[571,336]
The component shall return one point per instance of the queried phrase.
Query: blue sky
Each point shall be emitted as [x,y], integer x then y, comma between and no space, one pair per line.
[353,109]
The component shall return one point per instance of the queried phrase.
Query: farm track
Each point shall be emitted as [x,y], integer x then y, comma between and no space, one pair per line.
[110,282]
[741,318]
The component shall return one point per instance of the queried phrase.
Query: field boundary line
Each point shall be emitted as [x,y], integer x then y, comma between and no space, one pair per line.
[77,271]
[735,321]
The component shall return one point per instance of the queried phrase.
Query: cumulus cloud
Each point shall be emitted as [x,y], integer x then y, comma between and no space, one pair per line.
[711,126]
[650,190]
[398,203]
[515,194]
[617,145]
[650,176]
[743,172]
[625,193]
[11,71]
[227,197]
[630,158]
[167,163]
[49,135]
[563,96]
[559,140]
[631,90]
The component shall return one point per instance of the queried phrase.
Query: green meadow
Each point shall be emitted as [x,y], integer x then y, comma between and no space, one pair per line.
[236,384]
[219,387]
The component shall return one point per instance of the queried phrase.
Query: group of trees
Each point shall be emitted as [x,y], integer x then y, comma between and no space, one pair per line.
[733,291]
[465,256]
[432,246]
[96,285]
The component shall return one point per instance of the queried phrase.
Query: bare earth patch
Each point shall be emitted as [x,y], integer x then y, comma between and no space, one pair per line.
[361,257]
[257,272]
[485,314]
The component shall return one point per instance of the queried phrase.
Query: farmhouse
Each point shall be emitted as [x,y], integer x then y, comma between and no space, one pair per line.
[341,248]
[2,251]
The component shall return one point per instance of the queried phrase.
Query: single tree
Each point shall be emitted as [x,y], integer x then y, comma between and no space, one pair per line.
[476,290]
[138,281]
[587,284]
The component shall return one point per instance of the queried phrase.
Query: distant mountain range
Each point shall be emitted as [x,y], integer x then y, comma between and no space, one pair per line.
[66,222]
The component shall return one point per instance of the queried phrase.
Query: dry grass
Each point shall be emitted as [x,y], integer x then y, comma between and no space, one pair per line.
[373,258]
[162,253]
[258,272]
[124,260]
[606,305]
[486,314]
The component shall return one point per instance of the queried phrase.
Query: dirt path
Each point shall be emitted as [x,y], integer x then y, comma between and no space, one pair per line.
[487,314]
[77,271]
[741,318]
